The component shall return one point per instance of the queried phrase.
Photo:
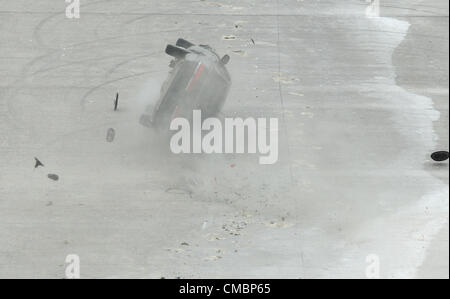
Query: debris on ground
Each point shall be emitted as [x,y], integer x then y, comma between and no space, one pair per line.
[440,156]
[285,80]
[273,224]
[179,191]
[110,135]
[205,224]
[38,163]
[184,244]
[241,53]
[239,24]
[213,258]
[175,250]
[229,37]
[116,102]
[297,94]
[53,177]
[234,228]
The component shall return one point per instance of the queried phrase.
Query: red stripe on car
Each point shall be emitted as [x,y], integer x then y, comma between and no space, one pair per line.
[197,76]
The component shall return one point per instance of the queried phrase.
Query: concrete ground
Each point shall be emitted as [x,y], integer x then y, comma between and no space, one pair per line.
[362,102]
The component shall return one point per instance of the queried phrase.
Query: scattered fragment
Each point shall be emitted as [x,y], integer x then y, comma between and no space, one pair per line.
[253,41]
[179,191]
[309,114]
[284,80]
[110,135]
[214,237]
[296,94]
[273,224]
[229,37]
[239,24]
[213,258]
[49,204]
[116,102]
[184,244]
[175,250]
[53,177]
[38,163]
[234,228]
[205,224]
[241,53]
[440,156]
[225,59]
[233,165]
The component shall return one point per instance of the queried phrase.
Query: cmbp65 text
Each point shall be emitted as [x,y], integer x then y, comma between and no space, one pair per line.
[246,288]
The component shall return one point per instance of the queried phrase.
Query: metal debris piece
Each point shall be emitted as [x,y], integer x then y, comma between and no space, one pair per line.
[53,177]
[110,135]
[229,37]
[116,102]
[440,156]
[38,163]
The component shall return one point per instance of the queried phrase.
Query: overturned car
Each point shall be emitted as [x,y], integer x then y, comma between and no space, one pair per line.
[198,80]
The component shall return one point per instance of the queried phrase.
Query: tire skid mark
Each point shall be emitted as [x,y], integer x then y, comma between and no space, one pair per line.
[118,37]
[11,90]
[134,58]
[74,63]
[43,22]
[92,90]
[432,13]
